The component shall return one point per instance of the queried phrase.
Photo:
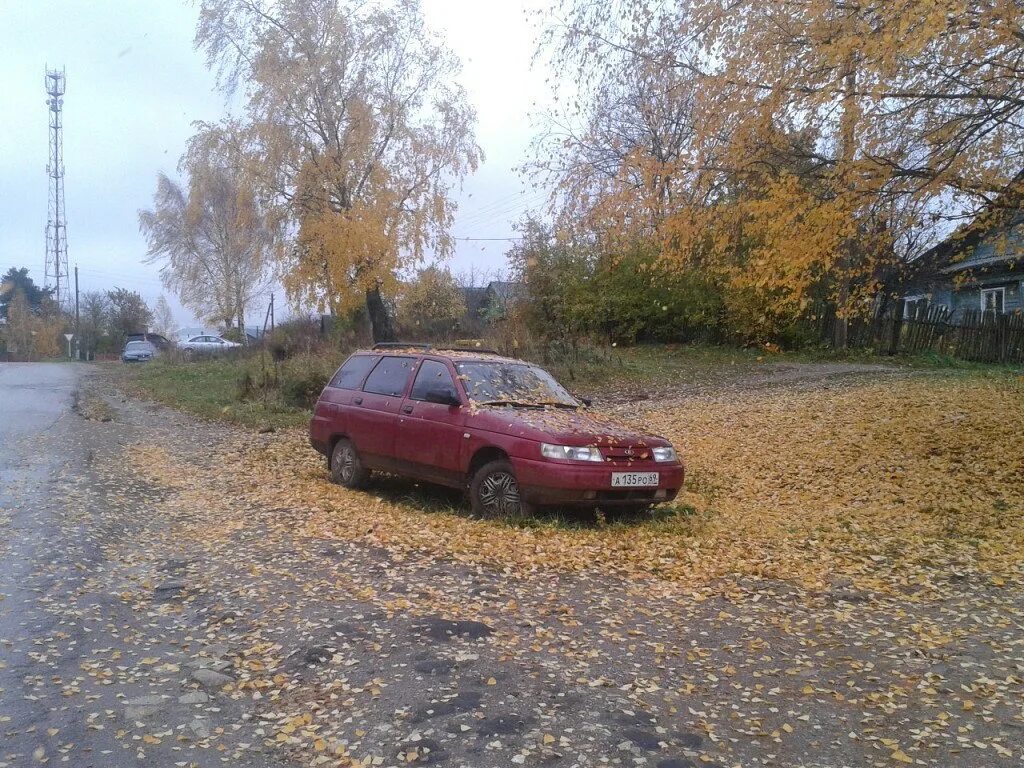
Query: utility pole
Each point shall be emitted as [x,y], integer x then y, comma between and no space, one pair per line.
[78,338]
[56,226]
[269,317]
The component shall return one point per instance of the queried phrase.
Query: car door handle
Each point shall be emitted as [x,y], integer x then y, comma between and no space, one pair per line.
[357,400]
[406,409]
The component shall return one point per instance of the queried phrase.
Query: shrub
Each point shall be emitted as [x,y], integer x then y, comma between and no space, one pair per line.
[430,306]
[303,378]
[293,337]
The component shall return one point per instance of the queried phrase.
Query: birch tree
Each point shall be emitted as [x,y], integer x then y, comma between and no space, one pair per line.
[358,134]
[163,317]
[211,237]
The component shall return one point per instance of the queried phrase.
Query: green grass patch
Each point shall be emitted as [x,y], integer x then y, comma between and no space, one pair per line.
[255,391]
[214,389]
[604,368]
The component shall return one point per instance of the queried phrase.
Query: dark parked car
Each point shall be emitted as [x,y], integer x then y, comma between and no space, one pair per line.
[503,428]
[138,352]
[158,341]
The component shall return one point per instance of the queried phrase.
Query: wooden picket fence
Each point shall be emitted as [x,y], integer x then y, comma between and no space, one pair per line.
[976,335]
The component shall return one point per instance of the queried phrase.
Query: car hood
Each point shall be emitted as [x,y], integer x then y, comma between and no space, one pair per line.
[562,426]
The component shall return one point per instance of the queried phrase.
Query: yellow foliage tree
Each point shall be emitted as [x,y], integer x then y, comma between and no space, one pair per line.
[824,144]
[31,335]
[212,237]
[431,305]
[357,133]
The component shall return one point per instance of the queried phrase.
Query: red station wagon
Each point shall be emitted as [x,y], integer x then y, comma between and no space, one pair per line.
[503,428]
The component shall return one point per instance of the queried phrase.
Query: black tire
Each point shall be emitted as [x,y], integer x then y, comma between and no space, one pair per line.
[494,492]
[346,467]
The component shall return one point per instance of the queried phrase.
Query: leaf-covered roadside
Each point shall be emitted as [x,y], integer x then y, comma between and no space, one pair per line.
[902,649]
[887,481]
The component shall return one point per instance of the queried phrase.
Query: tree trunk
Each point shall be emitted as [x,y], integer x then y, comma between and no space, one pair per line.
[380,321]
[847,154]
[241,325]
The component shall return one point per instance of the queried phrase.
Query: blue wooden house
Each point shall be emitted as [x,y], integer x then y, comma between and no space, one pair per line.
[979,267]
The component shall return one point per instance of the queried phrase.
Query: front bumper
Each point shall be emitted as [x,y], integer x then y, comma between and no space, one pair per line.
[569,483]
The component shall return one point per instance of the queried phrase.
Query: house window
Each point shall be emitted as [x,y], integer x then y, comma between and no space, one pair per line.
[993,300]
[914,304]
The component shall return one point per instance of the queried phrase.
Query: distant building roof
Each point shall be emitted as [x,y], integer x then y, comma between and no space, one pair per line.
[505,289]
[474,297]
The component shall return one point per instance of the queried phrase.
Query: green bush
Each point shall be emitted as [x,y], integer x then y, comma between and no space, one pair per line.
[303,378]
[627,296]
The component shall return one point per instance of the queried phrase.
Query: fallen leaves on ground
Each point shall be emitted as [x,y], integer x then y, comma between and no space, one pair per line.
[341,621]
[885,481]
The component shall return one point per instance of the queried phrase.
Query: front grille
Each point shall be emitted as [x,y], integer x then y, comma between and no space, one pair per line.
[626,453]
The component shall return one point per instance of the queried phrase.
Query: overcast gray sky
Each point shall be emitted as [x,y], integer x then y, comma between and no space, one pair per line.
[134,87]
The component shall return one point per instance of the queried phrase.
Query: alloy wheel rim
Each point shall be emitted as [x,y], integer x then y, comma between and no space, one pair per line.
[499,494]
[348,465]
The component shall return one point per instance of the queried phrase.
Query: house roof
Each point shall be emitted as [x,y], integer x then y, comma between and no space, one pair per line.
[474,297]
[505,289]
[994,237]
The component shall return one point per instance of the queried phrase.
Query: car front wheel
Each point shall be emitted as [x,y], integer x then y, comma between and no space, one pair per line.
[494,492]
[346,467]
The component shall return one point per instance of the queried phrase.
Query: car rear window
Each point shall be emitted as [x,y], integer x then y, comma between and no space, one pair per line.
[352,373]
[390,376]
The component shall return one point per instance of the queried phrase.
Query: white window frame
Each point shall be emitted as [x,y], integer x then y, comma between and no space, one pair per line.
[1000,290]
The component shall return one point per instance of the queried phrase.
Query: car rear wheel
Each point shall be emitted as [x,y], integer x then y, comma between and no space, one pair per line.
[494,492]
[346,467]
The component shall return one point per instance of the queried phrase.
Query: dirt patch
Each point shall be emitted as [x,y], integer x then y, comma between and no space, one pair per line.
[91,406]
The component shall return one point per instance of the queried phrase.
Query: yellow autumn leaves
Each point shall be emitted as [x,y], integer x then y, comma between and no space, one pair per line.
[891,481]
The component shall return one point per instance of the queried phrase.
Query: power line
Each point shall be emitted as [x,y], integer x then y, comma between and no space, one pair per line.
[485,215]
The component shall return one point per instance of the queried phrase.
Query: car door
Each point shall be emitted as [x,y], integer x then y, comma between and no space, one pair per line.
[430,434]
[373,415]
[334,410]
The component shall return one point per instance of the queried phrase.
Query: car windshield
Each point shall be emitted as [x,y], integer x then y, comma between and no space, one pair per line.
[138,346]
[506,383]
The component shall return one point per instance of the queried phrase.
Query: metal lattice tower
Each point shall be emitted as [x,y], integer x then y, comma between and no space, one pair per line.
[56,226]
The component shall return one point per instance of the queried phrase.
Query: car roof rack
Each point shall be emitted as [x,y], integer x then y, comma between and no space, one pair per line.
[481,350]
[401,345]
[432,347]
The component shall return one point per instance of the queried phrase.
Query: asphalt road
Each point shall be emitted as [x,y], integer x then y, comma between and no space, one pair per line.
[67,680]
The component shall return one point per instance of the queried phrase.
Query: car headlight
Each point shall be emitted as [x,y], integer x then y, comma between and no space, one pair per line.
[664,453]
[570,452]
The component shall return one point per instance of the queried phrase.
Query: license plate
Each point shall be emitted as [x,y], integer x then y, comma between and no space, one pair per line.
[634,479]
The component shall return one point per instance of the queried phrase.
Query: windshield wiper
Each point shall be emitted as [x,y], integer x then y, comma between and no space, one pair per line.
[558,404]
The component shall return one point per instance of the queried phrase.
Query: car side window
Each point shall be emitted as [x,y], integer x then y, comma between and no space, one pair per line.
[390,376]
[432,376]
[352,373]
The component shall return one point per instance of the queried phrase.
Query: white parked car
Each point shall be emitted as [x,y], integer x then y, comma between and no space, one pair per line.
[208,344]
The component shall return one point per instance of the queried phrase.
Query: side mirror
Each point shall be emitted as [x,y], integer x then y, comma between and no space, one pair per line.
[441,397]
